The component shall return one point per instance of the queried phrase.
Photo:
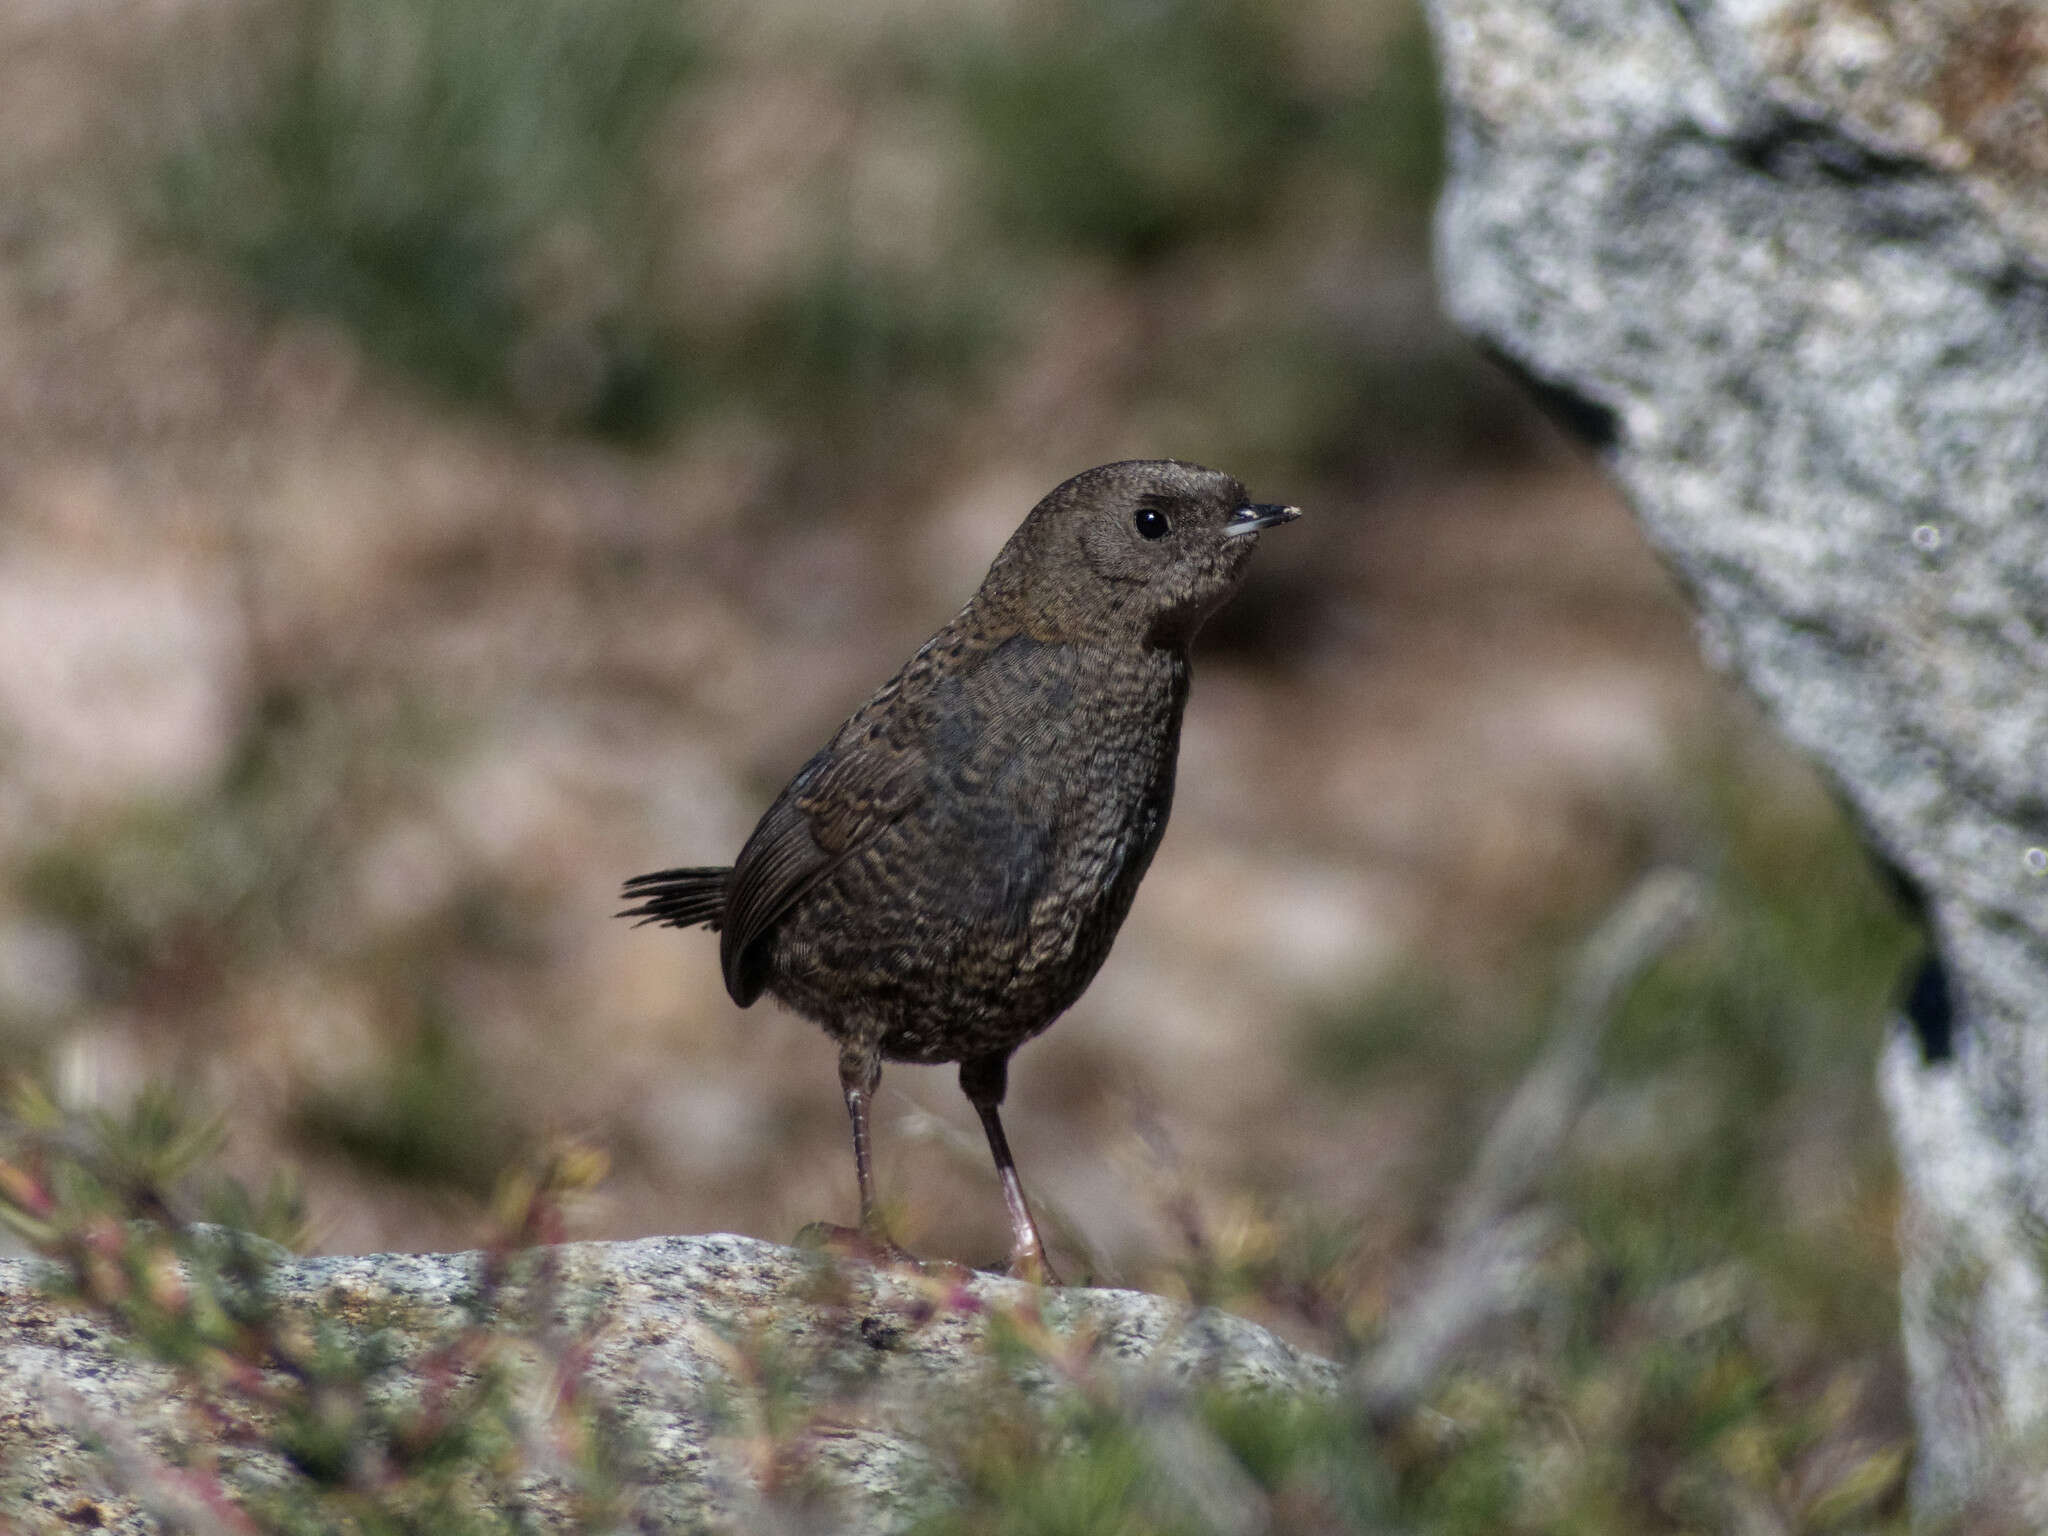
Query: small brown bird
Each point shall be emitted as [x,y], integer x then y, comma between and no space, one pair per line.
[943,880]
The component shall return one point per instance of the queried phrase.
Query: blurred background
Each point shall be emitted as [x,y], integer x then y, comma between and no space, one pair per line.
[461,453]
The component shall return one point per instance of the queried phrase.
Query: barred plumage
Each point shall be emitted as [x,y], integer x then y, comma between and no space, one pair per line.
[944,878]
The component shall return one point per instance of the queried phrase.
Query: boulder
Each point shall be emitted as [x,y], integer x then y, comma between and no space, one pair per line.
[1783,264]
[748,1380]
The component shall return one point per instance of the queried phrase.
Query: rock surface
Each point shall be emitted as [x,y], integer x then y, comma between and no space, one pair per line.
[681,1317]
[1785,264]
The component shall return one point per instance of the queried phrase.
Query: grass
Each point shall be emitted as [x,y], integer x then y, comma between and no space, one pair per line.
[1132,129]
[428,1116]
[493,196]
[1137,129]
[463,184]
[177,905]
[162,895]
[850,356]
[1713,1340]
[486,195]
[1712,1331]
[359,1418]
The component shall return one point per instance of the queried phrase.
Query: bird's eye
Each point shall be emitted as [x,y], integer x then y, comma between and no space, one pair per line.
[1152,523]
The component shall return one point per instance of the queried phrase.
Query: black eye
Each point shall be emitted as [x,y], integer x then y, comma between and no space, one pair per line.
[1152,523]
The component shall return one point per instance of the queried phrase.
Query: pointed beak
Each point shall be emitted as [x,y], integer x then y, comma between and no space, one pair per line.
[1256,516]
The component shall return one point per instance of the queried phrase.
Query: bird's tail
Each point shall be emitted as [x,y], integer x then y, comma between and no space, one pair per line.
[682,898]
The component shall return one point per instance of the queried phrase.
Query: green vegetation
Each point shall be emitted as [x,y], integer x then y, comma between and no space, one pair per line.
[1138,128]
[1391,1028]
[1134,128]
[429,1117]
[1758,1042]
[1707,1343]
[368,1424]
[851,356]
[465,184]
[1712,1338]
[164,895]
[172,903]
[496,196]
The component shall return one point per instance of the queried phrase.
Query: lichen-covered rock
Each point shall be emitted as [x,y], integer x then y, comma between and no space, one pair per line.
[1785,264]
[691,1338]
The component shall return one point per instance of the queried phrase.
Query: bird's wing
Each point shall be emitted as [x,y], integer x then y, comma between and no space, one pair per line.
[838,801]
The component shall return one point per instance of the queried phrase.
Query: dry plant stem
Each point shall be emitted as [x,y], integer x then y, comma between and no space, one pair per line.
[1204,1477]
[1490,1246]
[1470,1283]
[1527,1133]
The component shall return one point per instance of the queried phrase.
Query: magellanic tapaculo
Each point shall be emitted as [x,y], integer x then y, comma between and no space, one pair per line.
[944,877]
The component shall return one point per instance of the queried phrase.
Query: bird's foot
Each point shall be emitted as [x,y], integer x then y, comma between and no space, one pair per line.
[863,1245]
[1031,1264]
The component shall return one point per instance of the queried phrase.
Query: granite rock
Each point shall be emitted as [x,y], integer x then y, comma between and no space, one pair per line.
[1784,265]
[884,1357]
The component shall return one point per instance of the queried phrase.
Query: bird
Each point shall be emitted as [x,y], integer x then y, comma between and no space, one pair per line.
[943,879]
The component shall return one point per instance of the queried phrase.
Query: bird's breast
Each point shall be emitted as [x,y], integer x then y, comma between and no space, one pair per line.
[988,907]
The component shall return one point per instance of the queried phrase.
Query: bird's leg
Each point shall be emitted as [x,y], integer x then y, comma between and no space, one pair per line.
[860,1073]
[984,1079]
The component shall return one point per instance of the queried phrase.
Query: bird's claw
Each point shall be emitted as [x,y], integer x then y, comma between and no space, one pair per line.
[863,1245]
[1032,1265]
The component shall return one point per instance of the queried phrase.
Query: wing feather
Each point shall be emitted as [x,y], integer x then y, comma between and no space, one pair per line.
[837,802]
[964,718]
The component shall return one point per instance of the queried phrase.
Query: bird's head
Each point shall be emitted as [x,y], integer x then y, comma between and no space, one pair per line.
[1143,550]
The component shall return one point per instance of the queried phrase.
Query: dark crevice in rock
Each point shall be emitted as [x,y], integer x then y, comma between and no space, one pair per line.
[1891,196]
[1796,149]
[1590,421]
[1908,892]
[1928,999]
[1930,1009]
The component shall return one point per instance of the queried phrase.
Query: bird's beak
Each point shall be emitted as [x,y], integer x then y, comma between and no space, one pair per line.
[1256,516]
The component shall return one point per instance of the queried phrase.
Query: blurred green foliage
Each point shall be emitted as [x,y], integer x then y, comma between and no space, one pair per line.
[1714,1339]
[166,890]
[173,903]
[1109,1466]
[1133,127]
[1394,127]
[849,357]
[164,894]
[1709,1342]
[1757,1042]
[491,195]
[1139,127]
[61,1174]
[378,1422]
[430,1116]
[465,184]
[1392,1026]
